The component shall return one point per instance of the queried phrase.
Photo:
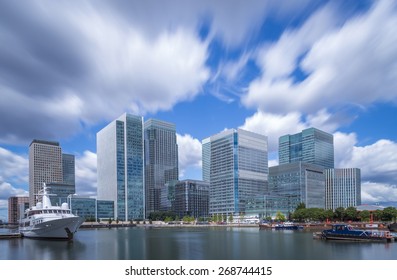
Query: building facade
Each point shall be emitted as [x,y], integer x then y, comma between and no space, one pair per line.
[120,166]
[342,187]
[191,199]
[206,158]
[45,166]
[68,169]
[161,160]
[311,145]
[300,181]
[238,168]
[16,208]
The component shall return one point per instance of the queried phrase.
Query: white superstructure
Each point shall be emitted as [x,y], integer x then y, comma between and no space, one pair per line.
[47,221]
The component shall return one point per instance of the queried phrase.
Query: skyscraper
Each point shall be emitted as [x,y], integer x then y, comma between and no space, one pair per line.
[68,169]
[45,166]
[299,182]
[311,145]
[16,208]
[161,160]
[342,187]
[238,168]
[206,158]
[120,166]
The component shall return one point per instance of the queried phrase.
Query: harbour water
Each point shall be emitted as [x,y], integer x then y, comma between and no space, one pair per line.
[193,243]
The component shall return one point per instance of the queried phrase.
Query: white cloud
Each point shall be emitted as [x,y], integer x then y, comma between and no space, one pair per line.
[189,153]
[354,64]
[376,192]
[86,174]
[13,167]
[7,190]
[276,125]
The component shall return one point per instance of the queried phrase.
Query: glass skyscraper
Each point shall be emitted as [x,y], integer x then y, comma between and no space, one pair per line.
[68,168]
[237,162]
[342,187]
[311,145]
[161,160]
[300,182]
[120,166]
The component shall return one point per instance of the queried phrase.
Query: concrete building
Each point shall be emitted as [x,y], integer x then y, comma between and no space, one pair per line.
[342,187]
[311,145]
[237,161]
[16,207]
[45,166]
[161,161]
[300,181]
[120,166]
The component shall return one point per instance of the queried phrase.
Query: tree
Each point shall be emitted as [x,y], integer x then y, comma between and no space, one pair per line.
[280,216]
[329,214]
[301,205]
[351,213]
[340,213]
[231,218]
[299,214]
[389,214]
[364,215]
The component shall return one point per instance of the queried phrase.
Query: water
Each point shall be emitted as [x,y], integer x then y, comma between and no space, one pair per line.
[200,243]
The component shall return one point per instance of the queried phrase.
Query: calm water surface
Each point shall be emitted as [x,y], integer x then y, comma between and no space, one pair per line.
[207,243]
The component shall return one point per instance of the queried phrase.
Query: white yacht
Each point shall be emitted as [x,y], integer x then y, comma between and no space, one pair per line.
[47,221]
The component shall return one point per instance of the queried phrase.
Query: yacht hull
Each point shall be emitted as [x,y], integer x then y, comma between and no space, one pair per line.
[63,228]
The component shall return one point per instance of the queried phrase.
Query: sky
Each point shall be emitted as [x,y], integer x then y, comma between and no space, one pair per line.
[68,68]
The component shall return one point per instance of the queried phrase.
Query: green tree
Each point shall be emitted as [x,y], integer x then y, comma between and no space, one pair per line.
[299,214]
[231,218]
[280,216]
[351,213]
[301,205]
[389,214]
[329,214]
[364,215]
[340,213]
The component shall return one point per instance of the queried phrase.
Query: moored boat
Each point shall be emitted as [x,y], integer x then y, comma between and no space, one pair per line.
[347,232]
[287,226]
[45,221]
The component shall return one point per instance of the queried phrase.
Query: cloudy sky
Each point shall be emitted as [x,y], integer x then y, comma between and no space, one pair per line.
[68,68]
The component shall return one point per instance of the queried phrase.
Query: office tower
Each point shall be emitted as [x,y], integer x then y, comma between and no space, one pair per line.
[68,169]
[161,160]
[191,198]
[16,208]
[311,145]
[45,166]
[206,158]
[238,167]
[120,166]
[300,182]
[342,188]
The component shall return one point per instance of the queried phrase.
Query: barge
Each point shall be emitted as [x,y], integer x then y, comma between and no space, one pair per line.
[348,233]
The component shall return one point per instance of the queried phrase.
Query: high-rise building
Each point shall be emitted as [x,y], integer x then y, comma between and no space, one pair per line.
[300,182]
[311,145]
[238,168]
[120,166]
[206,158]
[161,160]
[45,166]
[191,198]
[342,187]
[68,168]
[16,208]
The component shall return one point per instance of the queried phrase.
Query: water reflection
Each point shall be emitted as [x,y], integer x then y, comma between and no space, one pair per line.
[193,244]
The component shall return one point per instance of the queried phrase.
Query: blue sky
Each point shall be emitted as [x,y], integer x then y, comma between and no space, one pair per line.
[272,67]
